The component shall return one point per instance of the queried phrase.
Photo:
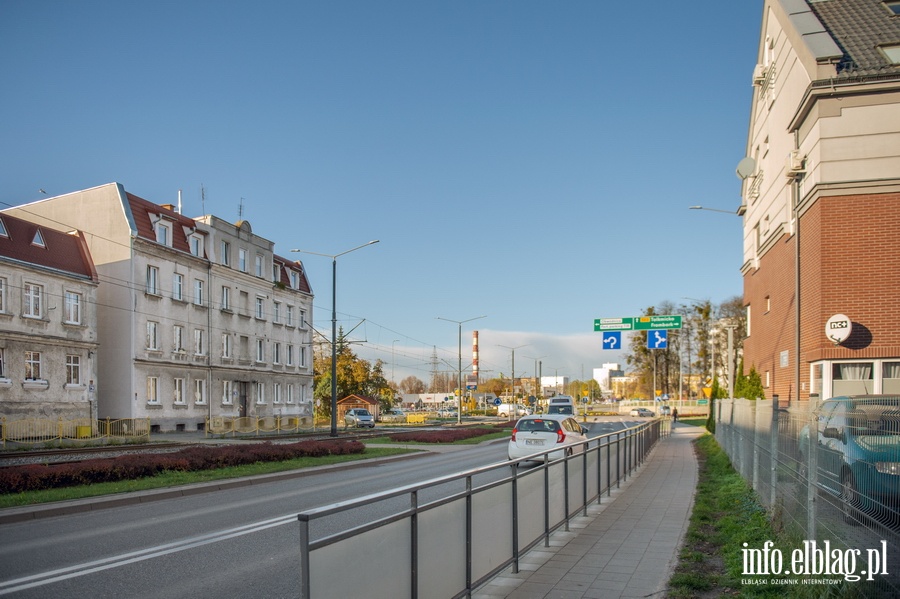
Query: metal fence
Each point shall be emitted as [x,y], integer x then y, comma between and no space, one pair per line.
[54,430]
[829,474]
[447,536]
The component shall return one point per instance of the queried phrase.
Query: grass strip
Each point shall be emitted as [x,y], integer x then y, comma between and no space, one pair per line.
[177,478]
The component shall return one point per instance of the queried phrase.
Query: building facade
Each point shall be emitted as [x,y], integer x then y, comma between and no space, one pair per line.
[48,322]
[197,318]
[821,200]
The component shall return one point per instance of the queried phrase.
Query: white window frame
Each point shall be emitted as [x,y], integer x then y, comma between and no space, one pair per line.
[200,391]
[260,311]
[32,365]
[258,265]
[152,280]
[260,350]
[290,393]
[289,357]
[276,352]
[153,389]
[199,345]
[227,392]
[33,300]
[163,232]
[276,393]
[178,391]
[2,294]
[226,297]
[227,349]
[178,287]
[276,311]
[260,393]
[289,315]
[225,258]
[2,365]
[242,259]
[152,335]
[302,319]
[195,243]
[72,308]
[178,338]
[198,292]
[303,356]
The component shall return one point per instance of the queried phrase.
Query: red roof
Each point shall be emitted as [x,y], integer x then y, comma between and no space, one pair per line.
[31,243]
[302,283]
[146,214]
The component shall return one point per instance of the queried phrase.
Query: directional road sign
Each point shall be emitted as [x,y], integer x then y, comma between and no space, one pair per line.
[612,339]
[658,339]
[638,323]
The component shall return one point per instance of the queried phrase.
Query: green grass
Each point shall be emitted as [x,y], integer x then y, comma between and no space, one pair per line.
[175,478]
[693,421]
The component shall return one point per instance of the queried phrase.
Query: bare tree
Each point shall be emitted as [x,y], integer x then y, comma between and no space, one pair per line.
[411,385]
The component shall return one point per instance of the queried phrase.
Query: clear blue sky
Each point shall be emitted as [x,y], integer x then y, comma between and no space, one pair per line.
[531,161]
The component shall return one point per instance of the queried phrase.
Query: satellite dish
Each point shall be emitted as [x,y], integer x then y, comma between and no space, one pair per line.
[745,167]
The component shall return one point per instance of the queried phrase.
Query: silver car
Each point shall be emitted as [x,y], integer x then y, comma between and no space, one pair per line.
[534,434]
[359,417]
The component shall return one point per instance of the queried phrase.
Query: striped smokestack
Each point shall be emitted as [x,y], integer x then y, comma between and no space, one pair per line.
[475,354]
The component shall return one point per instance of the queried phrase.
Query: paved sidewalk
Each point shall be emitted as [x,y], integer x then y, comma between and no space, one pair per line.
[626,547]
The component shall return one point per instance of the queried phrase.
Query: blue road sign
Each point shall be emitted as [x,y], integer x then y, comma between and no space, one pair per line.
[658,339]
[612,339]
[497,401]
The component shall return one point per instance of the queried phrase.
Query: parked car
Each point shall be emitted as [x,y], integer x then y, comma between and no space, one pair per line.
[538,433]
[857,444]
[665,411]
[394,415]
[642,412]
[359,417]
[505,410]
[447,413]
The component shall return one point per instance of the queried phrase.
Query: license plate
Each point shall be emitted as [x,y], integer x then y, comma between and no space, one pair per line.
[534,441]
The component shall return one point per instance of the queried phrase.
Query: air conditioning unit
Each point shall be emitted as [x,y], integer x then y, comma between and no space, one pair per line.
[759,74]
[794,165]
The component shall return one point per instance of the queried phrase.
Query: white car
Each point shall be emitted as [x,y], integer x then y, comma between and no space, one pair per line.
[642,412]
[534,434]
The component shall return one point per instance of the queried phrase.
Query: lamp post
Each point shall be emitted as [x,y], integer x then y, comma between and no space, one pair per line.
[513,349]
[714,210]
[537,381]
[459,355]
[334,258]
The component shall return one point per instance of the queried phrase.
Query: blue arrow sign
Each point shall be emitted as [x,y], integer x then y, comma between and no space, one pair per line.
[612,339]
[657,339]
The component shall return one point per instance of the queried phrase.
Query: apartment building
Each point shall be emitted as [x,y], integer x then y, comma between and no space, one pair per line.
[821,200]
[48,322]
[197,318]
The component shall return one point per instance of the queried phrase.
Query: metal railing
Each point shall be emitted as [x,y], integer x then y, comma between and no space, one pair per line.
[447,536]
[821,480]
[50,430]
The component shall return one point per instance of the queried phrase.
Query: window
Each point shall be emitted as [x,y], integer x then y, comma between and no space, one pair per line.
[178,391]
[260,307]
[227,392]
[196,244]
[32,365]
[295,279]
[289,359]
[198,292]
[260,350]
[290,393]
[302,356]
[34,301]
[276,353]
[72,308]
[178,287]
[276,393]
[198,342]
[73,370]
[226,297]
[227,349]
[893,6]
[302,321]
[890,373]
[2,365]
[768,304]
[38,239]
[242,260]
[3,232]
[892,53]
[276,273]
[852,378]
[178,338]
[276,312]
[152,335]
[200,391]
[152,389]
[259,265]
[2,294]
[225,250]
[152,280]
[164,233]
[289,316]
[260,393]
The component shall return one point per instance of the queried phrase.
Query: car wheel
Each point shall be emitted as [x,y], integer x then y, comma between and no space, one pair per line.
[849,499]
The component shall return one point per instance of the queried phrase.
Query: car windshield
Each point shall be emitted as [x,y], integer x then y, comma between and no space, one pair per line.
[560,409]
[362,412]
[538,425]
[874,420]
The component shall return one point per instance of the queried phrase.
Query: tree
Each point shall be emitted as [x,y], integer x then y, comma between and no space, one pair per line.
[412,385]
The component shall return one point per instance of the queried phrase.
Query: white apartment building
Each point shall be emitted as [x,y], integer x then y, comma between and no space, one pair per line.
[48,322]
[196,319]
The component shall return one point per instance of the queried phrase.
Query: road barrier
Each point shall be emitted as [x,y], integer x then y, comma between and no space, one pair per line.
[447,536]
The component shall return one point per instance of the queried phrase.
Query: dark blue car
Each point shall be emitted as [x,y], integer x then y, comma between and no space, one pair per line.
[857,452]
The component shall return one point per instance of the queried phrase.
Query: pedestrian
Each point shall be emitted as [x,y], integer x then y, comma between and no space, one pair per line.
[675,415]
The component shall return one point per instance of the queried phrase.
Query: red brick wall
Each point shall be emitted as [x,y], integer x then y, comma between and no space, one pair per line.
[850,264]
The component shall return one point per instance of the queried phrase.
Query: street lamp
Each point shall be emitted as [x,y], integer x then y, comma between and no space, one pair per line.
[334,258]
[459,376]
[513,349]
[537,381]
[714,210]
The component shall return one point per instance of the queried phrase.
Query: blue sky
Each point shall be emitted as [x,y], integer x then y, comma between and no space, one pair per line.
[530,161]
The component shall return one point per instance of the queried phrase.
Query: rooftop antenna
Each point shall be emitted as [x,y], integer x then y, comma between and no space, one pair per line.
[202,199]
[241,210]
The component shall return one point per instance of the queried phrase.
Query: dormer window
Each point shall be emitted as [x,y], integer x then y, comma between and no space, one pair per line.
[38,239]
[892,53]
[3,232]
[196,243]
[164,233]
[894,7]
